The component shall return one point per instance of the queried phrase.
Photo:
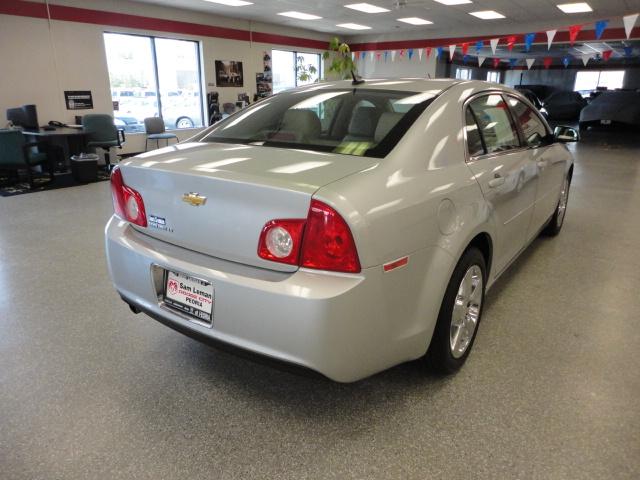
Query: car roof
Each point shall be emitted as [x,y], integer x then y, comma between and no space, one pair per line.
[401,84]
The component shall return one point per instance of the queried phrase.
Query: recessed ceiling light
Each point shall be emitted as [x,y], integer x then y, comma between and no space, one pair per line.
[579,7]
[353,26]
[487,15]
[231,3]
[415,21]
[453,2]
[300,15]
[366,8]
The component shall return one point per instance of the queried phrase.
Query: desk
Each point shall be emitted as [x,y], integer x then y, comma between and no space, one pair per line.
[72,141]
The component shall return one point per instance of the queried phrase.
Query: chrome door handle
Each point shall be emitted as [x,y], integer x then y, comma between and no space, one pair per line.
[496,182]
[542,163]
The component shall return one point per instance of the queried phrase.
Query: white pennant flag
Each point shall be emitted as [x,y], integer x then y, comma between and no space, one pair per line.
[452,51]
[371,55]
[550,36]
[494,44]
[420,54]
[530,62]
[629,22]
[393,55]
[585,59]
[353,56]
[481,60]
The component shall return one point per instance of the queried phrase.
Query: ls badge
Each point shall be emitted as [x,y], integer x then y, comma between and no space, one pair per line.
[194,199]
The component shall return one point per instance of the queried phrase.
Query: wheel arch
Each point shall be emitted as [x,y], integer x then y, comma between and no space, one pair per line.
[483,242]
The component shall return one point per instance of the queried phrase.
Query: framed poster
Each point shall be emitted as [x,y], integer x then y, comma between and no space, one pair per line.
[229,73]
[264,79]
[78,99]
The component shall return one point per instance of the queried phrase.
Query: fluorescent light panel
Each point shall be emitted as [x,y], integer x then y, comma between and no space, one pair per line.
[415,21]
[366,8]
[579,7]
[453,2]
[353,26]
[487,15]
[231,3]
[300,15]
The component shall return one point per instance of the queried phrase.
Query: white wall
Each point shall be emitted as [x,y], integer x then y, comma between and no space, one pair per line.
[400,67]
[40,59]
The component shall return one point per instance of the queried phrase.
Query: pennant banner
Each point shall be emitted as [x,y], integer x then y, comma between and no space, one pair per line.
[439,52]
[402,52]
[481,60]
[550,36]
[353,56]
[585,59]
[628,51]
[393,55]
[574,30]
[512,62]
[465,48]
[452,51]
[547,62]
[629,22]
[479,45]
[428,52]
[378,55]
[530,62]
[606,55]
[410,53]
[386,54]
[511,41]
[496,62]
[528,41]
[494,44]
[465,59]
[600,27]
[420,54]
[566,61]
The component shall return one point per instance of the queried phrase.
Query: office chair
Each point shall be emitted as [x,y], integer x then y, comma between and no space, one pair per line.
[102,133]
[16,154]
[154,126]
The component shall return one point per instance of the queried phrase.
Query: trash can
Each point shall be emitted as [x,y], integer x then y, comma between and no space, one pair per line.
[84,167]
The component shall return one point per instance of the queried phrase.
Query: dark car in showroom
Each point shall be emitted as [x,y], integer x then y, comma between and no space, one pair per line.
[564,105]
[615,108]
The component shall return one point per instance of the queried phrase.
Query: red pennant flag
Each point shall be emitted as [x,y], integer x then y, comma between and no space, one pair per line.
[573,33]
[547,62]
[428,51]
[607,55]
[378,55]
[465,48]
[496,62]
[402,52]
[511,41]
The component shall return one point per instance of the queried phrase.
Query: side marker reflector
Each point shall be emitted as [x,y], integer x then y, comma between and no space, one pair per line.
[401,262]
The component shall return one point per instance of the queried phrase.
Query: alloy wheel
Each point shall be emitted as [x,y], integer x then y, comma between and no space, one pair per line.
[466,311]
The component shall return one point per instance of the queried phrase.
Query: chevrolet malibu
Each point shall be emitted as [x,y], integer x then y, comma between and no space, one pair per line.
[344,227]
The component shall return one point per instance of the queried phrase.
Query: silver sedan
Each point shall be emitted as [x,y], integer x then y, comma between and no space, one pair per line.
[341,227]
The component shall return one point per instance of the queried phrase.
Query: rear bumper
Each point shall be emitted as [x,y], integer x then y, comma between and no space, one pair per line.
[342,326]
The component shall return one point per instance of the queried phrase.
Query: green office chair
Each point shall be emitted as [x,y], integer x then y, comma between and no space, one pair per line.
[102,133]
[154,126]
[16,154]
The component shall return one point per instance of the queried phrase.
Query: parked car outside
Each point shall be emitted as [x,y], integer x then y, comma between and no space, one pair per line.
[332,228]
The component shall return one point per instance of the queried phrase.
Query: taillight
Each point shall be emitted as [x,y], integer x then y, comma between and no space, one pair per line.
[127,203]
[323,241]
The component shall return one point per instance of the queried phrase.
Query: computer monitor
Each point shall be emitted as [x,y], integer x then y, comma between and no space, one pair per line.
[25,117]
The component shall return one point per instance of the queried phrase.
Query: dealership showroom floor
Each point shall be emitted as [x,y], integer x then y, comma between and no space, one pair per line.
[90,389]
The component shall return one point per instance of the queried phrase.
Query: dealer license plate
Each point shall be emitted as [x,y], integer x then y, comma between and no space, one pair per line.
[189,295]
[605,122]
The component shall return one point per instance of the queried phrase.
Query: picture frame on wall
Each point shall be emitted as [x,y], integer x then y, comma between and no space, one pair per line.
[229,73]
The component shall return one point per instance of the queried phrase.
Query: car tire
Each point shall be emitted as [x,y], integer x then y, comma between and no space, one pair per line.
[459,316]
[557,219]
[184,122]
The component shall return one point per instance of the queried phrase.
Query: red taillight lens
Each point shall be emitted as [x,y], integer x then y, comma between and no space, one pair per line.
[280,241]
[323,241]
[328,243]
[127,203]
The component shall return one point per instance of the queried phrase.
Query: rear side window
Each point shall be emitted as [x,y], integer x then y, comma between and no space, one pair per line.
[495,123]
[532,127]
[474,142]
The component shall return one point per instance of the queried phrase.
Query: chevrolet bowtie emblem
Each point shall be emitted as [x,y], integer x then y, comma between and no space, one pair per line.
[194,199]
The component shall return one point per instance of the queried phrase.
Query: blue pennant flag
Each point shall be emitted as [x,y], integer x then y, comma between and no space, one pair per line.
[465,58]
[600,27]
[362,55]
[628,51]
[566,61]
[410,53]
[479,45]
[512,62]
[386,54]
[528,40]
[439,51]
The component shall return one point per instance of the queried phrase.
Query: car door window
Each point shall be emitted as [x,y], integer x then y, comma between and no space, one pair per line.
[532,127]
[495,123]
[474,141]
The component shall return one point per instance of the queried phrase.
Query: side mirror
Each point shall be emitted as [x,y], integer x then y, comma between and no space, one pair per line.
[566,134]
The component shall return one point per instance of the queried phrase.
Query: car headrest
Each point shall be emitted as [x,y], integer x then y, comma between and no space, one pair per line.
[363,122]
[303,122]
[387,121]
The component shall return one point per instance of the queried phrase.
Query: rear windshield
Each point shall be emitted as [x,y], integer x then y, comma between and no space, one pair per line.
[349,121]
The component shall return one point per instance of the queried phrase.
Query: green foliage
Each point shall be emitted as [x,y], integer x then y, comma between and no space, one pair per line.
[340,54]
[304,72]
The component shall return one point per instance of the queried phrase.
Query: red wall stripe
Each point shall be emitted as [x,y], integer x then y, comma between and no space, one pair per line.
[97,17]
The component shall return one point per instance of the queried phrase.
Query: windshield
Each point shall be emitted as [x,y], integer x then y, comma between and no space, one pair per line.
[350,121]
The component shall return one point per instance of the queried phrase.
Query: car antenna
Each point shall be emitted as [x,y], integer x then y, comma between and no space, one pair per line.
[356,81]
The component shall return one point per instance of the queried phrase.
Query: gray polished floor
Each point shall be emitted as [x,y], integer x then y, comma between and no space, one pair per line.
[551,390]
